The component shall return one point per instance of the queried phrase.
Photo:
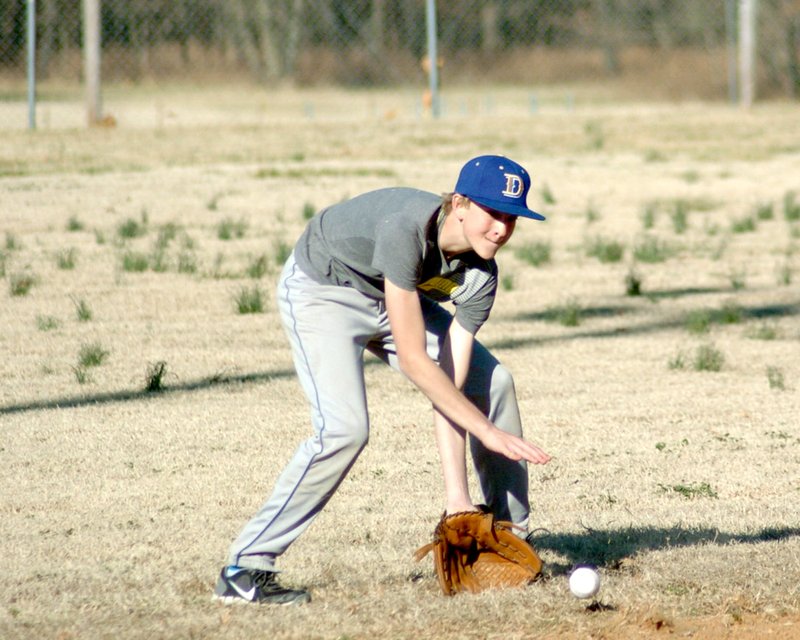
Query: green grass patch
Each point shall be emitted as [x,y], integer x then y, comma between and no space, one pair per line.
[678,209]
[186,241]
[154,377]
[605,250]
[633,283]
[764,211]
[680,217]
[135,261]
[775,378]
[187,262]
[309,211]
[258,267]
[708,358]
[784,274]
[719,250]
[662,446]
[654,155]
[92,355]
[75,224]
[158,260]
[12,242]
[699,204]
[737,278]
[763,331]
[213,202]
[546,194]
[591,214]
[166,234]
[81,375]
[132,228]
[651,249]
[66,259]
[678,361]
[649,215]
[21,283]
[82,310]
[729,313]
[567,314]
[229,229]
[691,176]
[535,253]
[249,300]
[281,251]
[698,321]
[691,491]
[307,173]
[47,323]
[746,224]
[595,137]
[791,208]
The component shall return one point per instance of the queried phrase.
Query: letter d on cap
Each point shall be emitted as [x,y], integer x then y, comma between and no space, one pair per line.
[514,185]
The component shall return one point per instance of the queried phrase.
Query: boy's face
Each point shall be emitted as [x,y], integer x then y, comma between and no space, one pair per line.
[485,231]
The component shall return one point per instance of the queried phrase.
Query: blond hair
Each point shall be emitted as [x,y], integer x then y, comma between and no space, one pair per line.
[447,201]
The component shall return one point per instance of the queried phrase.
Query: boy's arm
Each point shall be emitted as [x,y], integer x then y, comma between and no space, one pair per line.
[450,438]
[408,330]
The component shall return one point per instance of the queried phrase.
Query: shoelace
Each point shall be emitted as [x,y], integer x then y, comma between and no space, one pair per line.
[265,580]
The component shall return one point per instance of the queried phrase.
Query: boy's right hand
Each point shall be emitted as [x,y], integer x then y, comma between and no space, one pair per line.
[514,447]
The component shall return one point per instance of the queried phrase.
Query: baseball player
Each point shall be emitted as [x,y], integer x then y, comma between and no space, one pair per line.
[370,274]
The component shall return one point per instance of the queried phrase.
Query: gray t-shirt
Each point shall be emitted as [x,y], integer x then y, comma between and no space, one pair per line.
[393,233]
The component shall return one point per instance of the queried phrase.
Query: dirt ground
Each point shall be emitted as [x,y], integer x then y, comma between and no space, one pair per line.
[671,415]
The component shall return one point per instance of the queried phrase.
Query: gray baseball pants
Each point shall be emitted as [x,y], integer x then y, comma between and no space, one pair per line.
[329,327]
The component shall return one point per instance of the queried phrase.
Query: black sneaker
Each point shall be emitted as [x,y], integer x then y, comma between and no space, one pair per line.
[237,584]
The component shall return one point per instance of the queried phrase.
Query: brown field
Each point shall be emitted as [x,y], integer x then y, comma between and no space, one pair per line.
[681,484]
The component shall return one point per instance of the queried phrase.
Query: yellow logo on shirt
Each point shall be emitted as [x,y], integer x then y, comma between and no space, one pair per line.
[442,285]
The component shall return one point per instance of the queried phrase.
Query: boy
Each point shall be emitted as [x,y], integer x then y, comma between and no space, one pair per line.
[369,273]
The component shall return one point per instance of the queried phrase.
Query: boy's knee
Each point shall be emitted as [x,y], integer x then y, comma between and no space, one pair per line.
[490,388]
[502,381]
[350,439]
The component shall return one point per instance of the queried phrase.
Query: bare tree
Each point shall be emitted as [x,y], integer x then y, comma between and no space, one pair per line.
[793,49]
[490,38]
[376,27]
[610,33]
[266,34]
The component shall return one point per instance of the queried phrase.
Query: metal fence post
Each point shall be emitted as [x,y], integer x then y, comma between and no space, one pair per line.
[91,59]
[747,51]
[31,64]
[730,38]
[433,58]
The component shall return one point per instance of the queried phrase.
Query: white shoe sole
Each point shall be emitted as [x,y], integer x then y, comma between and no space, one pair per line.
[234,600]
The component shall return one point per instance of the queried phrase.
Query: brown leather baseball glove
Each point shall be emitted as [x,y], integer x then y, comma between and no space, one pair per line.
[472,551]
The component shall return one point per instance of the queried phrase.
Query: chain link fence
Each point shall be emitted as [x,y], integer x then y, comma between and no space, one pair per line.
[647,49]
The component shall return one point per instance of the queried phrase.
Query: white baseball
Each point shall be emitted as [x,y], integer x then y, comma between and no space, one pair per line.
[584,582]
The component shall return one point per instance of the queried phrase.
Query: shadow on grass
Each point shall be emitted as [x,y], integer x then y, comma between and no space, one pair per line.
[760,312]
[552,315]
[745,313]
[142,394]
[680,293]
[607,548]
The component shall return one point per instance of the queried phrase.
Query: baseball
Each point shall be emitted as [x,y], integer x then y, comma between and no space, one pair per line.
[584,582]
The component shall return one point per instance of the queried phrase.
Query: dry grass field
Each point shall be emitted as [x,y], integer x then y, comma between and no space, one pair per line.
[651,324]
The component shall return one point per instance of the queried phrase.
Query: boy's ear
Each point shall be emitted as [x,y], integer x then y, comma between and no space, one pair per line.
[459,202]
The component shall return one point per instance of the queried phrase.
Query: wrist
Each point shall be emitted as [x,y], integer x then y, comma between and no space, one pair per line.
[459,506]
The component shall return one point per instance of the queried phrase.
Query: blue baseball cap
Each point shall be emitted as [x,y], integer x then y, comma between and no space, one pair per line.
[497,183]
